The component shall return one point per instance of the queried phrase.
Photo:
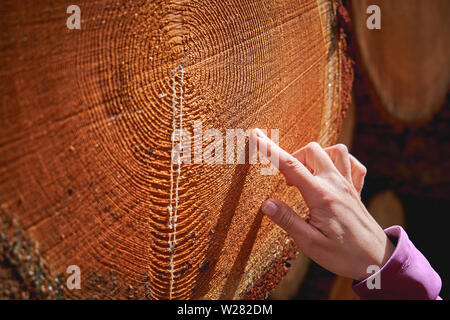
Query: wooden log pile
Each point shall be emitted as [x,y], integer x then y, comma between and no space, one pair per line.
[401,93]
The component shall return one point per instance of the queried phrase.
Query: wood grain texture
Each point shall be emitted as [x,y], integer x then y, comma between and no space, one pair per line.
[86,118]
[407,60]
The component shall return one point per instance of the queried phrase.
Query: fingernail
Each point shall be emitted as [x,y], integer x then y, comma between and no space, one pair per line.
[259,133]
[269,208]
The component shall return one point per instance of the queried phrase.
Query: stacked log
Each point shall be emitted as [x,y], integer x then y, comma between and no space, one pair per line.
[402,81]
[407,59]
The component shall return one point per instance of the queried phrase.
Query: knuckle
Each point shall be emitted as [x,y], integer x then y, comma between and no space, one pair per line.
[363,170]
[286,219]
[313,145]
[341,148]
[312,149]
[292,164]
[326,198]
[328,202]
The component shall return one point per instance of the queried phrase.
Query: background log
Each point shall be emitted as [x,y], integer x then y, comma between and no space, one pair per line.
[405,149]
[409,158]
[407,61]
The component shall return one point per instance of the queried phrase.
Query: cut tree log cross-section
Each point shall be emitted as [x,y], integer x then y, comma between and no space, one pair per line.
[86,118]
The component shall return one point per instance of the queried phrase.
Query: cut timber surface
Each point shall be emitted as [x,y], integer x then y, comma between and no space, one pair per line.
[86,119]
[408,59]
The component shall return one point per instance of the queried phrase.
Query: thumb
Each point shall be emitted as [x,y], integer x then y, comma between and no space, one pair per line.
[283,215]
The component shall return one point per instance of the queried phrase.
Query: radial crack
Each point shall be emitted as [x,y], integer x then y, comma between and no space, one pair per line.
[177,114]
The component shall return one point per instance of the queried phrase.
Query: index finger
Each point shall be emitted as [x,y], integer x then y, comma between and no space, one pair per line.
[293,170]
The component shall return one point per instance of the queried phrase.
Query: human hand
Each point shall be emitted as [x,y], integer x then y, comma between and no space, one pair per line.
[341,235]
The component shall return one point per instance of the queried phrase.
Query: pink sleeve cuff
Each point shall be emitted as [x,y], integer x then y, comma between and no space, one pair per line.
[406,275]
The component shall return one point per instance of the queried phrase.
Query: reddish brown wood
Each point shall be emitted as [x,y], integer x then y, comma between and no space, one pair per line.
[86,119]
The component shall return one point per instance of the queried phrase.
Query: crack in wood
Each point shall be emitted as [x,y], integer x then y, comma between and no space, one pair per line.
[177,100]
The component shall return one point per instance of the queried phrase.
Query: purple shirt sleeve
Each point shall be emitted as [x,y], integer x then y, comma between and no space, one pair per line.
[406,275]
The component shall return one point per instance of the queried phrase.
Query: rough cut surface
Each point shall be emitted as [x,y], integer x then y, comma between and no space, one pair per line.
[86,118]
[407,60]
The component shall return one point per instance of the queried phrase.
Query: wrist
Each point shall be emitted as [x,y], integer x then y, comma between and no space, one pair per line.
[388,252]
[378,256]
